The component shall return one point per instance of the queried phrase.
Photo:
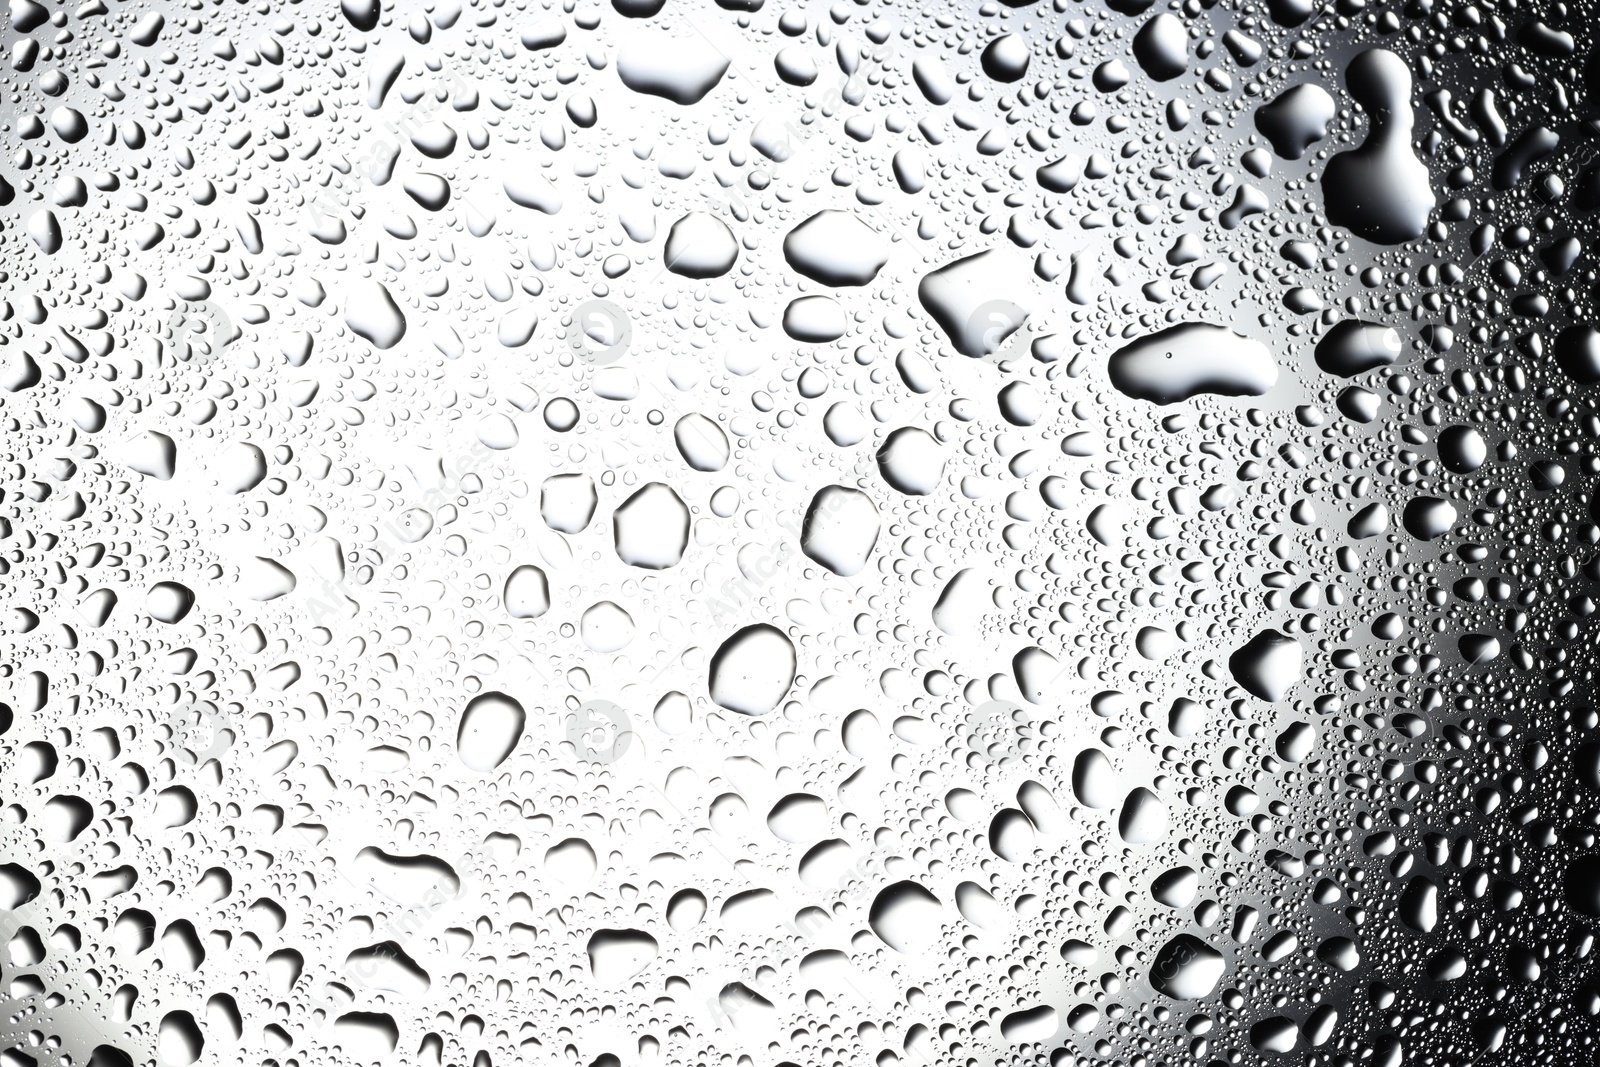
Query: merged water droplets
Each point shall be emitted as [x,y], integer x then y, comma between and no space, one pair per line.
[1185,361]
[682,69]
[1381,190]
[836,248]
[372,313]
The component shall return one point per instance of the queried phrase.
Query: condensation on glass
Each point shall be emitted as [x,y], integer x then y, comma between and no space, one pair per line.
[663,533]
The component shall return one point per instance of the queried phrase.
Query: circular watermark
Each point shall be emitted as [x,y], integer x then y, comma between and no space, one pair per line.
[998,331]
[200,331]
[602,323]
[600,731]
[996,732]
[184,719]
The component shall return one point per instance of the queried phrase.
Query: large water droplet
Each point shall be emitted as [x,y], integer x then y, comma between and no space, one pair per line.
[1184,361]
[836,248]
[1267,665]
[841,526]
[753,670]
[372,313]
[491,725]
[651,528]
[906,917]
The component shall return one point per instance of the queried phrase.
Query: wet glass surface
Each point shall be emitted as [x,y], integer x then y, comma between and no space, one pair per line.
[664,533]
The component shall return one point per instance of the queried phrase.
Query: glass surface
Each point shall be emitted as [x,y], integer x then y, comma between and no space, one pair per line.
[661,533]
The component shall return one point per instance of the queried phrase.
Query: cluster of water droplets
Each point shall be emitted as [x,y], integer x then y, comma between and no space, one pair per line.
[669,533]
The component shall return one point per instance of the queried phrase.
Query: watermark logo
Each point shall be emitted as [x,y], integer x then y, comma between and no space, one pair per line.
[1420,738]
[323,212]
[736,594]
[599,323]
[200,331]
[600,731]
[1552,185]
[995,732]
[184,724]
[782,144]
[783,141]
[999,329]
[366,969]
[332,600]
[854,884]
